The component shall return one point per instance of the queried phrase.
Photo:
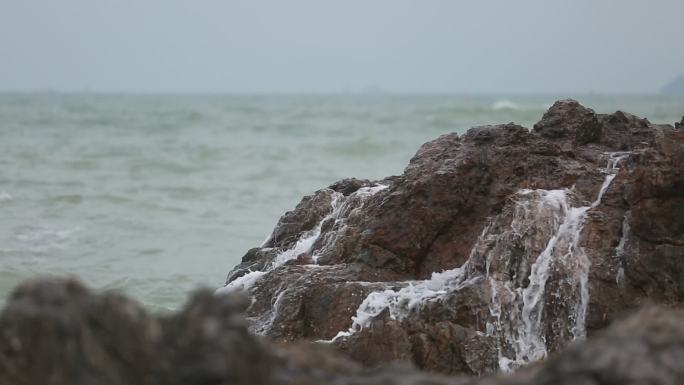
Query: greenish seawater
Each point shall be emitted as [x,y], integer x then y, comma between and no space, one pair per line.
[155,195]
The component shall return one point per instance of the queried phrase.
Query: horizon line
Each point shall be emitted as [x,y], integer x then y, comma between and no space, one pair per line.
[327,93]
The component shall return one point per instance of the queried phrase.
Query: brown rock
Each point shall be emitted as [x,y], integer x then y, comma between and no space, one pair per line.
[58,332]
[543,261]
[567,119]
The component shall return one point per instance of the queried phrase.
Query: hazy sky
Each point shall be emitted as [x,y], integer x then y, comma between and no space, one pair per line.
[347,45]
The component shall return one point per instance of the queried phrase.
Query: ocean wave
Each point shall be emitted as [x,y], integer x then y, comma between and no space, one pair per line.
[509,105]
[5,196]
[41,237]
[505,105]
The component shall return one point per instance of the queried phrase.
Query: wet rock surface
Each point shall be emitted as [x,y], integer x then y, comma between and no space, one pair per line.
[58,332]
[493,249]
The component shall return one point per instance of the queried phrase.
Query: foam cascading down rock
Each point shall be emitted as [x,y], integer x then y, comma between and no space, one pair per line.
[493,249]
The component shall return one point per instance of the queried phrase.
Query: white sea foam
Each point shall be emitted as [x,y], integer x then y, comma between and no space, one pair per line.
[42,238]
[528,339]
[263,323]
[505,104]
[242,283]
[5,196]
[305,242]
[522,329]
[509,105]
[415,294]
[400,303]
[531,344]
[372,190]
[614,159]
[620,249]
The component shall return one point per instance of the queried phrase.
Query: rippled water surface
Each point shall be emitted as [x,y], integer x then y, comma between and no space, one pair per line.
[156,195]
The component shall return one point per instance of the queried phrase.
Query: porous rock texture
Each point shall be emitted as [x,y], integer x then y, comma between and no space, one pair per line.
[492,250]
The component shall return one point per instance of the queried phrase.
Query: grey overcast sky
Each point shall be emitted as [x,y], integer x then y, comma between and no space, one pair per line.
[516,46]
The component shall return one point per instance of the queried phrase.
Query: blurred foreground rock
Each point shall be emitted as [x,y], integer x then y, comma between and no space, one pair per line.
[56,332]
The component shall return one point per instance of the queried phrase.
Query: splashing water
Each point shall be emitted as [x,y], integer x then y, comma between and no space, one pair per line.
[306,241]
[540,219]
[401,302]
[620,249]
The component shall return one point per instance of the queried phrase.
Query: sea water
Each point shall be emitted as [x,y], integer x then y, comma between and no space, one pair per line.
[155,195]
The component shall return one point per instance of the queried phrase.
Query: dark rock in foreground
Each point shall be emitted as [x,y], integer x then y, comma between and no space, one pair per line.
[492,250]
[57,332]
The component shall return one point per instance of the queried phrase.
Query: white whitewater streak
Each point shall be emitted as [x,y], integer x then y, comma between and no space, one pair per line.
[413,296]
[263,326]
[527,339]
[534,211]
[523,330]
[303,245]
[506,104]
[530,344]
[401,302]
[620,249]
[372,190]
[614,159]
[242,283]
[268,239]
[305,242]
[340,212]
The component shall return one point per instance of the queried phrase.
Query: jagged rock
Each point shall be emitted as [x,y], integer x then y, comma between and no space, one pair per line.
[626,132]
[569,119]
[634,239]
[680,124]
[491,250]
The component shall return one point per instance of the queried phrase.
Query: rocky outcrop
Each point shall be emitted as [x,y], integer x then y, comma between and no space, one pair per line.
[57,332]
[493,249]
